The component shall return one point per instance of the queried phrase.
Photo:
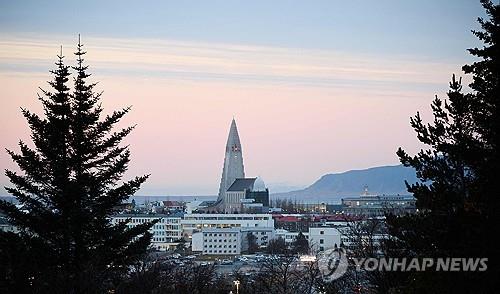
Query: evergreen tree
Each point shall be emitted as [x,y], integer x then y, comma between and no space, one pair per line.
[252,243]
[300,244]
[69,184]
[458,204]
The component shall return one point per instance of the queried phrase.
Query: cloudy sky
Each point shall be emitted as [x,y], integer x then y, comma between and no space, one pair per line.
[315,86]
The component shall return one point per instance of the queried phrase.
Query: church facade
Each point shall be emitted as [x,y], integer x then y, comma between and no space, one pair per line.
[236,193]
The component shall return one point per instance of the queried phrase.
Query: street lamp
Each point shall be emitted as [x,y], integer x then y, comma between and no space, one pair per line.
[237,284]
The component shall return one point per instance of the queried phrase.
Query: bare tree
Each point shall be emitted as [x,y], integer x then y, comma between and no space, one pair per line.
[277,275]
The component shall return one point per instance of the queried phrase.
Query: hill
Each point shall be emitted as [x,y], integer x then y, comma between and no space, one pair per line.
[389,180]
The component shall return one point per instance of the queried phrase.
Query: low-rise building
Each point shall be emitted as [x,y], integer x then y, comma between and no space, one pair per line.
[320,238]
[323,238]
[378,205]
[221,241]
[288,236]
[247,195]
[166,232]
[213,241]
[262,236]
[197,222]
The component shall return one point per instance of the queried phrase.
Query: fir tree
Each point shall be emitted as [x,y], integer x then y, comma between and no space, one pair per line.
[252,243]
[457,199]
[300,244]
[69,184]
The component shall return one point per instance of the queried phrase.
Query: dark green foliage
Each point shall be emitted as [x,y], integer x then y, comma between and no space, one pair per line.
[458,199]
[181,246]
[300,244]
[69,183]
[252,243]
[277,246]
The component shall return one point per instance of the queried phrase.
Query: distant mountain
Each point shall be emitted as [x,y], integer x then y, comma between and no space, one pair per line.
[389,180]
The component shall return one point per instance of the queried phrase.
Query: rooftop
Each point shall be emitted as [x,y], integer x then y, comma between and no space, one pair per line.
[242,184]
[149,215]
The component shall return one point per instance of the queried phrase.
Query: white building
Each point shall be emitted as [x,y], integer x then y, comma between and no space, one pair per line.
[218,241]
[262,236]
[166,232]
[288,236]
[221,241]
[192,223]
[320,238]
[323,238]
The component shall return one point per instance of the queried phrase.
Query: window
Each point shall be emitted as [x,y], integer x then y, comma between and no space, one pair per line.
[321,232]
[321,241]
[321,248]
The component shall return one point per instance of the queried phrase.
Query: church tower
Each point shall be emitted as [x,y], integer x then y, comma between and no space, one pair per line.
[233,161]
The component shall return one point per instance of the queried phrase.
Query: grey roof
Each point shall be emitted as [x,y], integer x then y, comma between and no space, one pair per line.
[242,184]
[207,203]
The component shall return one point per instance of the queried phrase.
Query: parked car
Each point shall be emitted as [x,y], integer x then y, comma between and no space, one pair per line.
[226,262]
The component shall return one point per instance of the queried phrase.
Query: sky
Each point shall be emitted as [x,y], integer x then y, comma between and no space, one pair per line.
[315,87]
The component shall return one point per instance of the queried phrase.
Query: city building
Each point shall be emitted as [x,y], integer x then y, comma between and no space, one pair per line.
[217,241]
[229,241]
[248,195]
[195,222]
[288,236]
[237,193]
[166,232]
[320,238]
[293,222]
[323,238]
[233,161]
[379,205]
[173,206]
[262,236]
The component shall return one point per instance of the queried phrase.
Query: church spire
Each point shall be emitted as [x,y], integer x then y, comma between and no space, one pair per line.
[233,160]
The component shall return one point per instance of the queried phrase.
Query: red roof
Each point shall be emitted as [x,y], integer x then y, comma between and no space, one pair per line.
[286,218]
[315,218]
[172,203]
